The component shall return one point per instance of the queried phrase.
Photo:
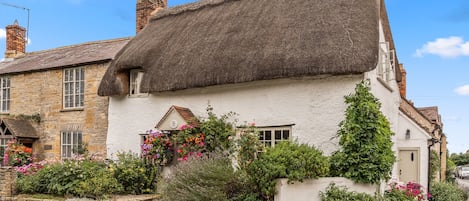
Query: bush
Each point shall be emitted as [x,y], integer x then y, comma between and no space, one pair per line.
[100,184]
[206,179]
[442,191]
[286,160]
[136,175]
[399,191]
[366,154]
[70,178]
[335,193]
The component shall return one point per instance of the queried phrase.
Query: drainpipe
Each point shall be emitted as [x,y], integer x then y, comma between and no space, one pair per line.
[431,142]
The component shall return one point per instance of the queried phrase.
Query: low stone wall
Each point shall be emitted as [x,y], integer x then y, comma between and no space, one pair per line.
[309,189]
[7,182]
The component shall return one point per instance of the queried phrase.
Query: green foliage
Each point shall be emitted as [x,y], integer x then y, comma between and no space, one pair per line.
[89,178]
[336,193]
[442,191]
[450,169]
[434,164]
[460,159]
[206,179]
[287,160]
[136,175]
[217,131]
[246,146]
[397,195]
[101,183]
[70,178]
[366,154]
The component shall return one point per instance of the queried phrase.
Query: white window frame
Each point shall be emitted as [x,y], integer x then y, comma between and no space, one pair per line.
[268,135]
[70,141]
[5,94]
[73,88]
[135,80]
[387,62]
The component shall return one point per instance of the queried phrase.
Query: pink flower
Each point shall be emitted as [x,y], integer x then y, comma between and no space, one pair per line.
[201,144]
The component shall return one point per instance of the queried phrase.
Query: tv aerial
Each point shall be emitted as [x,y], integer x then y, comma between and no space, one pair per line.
[23,8]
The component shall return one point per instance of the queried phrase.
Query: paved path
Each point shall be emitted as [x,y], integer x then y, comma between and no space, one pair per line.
[464,184]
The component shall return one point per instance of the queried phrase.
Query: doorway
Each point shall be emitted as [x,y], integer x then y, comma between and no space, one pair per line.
[409,162]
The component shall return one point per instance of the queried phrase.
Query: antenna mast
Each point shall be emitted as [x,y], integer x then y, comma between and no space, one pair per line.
[23,8]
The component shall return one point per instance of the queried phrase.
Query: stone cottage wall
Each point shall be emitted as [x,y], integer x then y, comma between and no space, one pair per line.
[42,92]
[7,182]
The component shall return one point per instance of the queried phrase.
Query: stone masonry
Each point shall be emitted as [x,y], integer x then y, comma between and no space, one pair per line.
[41,92]
[7,182]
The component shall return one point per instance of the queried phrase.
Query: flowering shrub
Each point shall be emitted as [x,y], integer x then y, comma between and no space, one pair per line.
[158,148]
[247,145]
[16,154]
[189,142]
[31,168]
[409,191]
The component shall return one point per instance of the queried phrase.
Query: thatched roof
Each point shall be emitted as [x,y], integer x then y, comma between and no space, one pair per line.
[216,42]
[20,128]
[74,55]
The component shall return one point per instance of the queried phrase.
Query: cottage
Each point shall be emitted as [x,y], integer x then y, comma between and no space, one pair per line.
[285,65]
[48,98]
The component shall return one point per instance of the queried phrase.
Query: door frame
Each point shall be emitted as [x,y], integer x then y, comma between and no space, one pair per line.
[418,162]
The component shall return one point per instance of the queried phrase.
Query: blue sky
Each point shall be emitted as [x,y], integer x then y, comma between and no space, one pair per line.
[431,37]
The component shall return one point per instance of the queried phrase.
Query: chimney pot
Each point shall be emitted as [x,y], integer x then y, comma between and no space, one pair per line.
[15,40]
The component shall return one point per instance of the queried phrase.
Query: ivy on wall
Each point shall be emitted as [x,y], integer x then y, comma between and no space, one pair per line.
[366,154]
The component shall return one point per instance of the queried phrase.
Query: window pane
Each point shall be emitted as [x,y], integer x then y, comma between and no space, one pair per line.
[261,135]
[268,135]
[286,134]
[278,134]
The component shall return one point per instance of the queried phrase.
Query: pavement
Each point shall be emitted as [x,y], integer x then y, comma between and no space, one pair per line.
[464,184]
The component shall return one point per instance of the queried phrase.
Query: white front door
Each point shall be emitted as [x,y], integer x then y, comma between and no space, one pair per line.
[409,165]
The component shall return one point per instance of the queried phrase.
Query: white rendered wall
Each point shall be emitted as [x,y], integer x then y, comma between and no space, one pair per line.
[310,189]
[417,141]
[314,105]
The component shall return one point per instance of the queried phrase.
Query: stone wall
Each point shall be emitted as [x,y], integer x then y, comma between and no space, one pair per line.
[42,92]
[7,182]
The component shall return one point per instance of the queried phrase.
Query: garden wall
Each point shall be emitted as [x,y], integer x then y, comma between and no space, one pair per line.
[309,189]
[7,182]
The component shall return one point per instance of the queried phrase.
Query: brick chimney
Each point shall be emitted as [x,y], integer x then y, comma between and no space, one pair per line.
[16,40]
[403,82]
[144,10]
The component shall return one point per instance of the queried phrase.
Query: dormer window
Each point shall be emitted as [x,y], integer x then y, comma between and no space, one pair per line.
[386,62]
[136,76]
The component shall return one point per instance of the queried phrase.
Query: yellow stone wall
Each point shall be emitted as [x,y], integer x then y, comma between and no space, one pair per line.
[41,92]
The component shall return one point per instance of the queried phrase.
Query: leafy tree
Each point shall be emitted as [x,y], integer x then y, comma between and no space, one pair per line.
[366,154]
[460,159]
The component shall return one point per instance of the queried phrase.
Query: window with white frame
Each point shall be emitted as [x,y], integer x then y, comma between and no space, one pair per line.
[5,94]
[73,88]
[269,136]
[3,145]
[386,64]
[136,76]
[71,143]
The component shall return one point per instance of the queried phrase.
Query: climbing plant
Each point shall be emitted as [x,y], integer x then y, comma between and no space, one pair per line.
[366,154]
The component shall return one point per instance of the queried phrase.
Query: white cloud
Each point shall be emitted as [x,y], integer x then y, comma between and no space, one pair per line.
[3,33]
[462,90]
[452,46]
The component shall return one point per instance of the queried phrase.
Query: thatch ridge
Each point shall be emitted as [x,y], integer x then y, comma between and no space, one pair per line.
[217,42]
